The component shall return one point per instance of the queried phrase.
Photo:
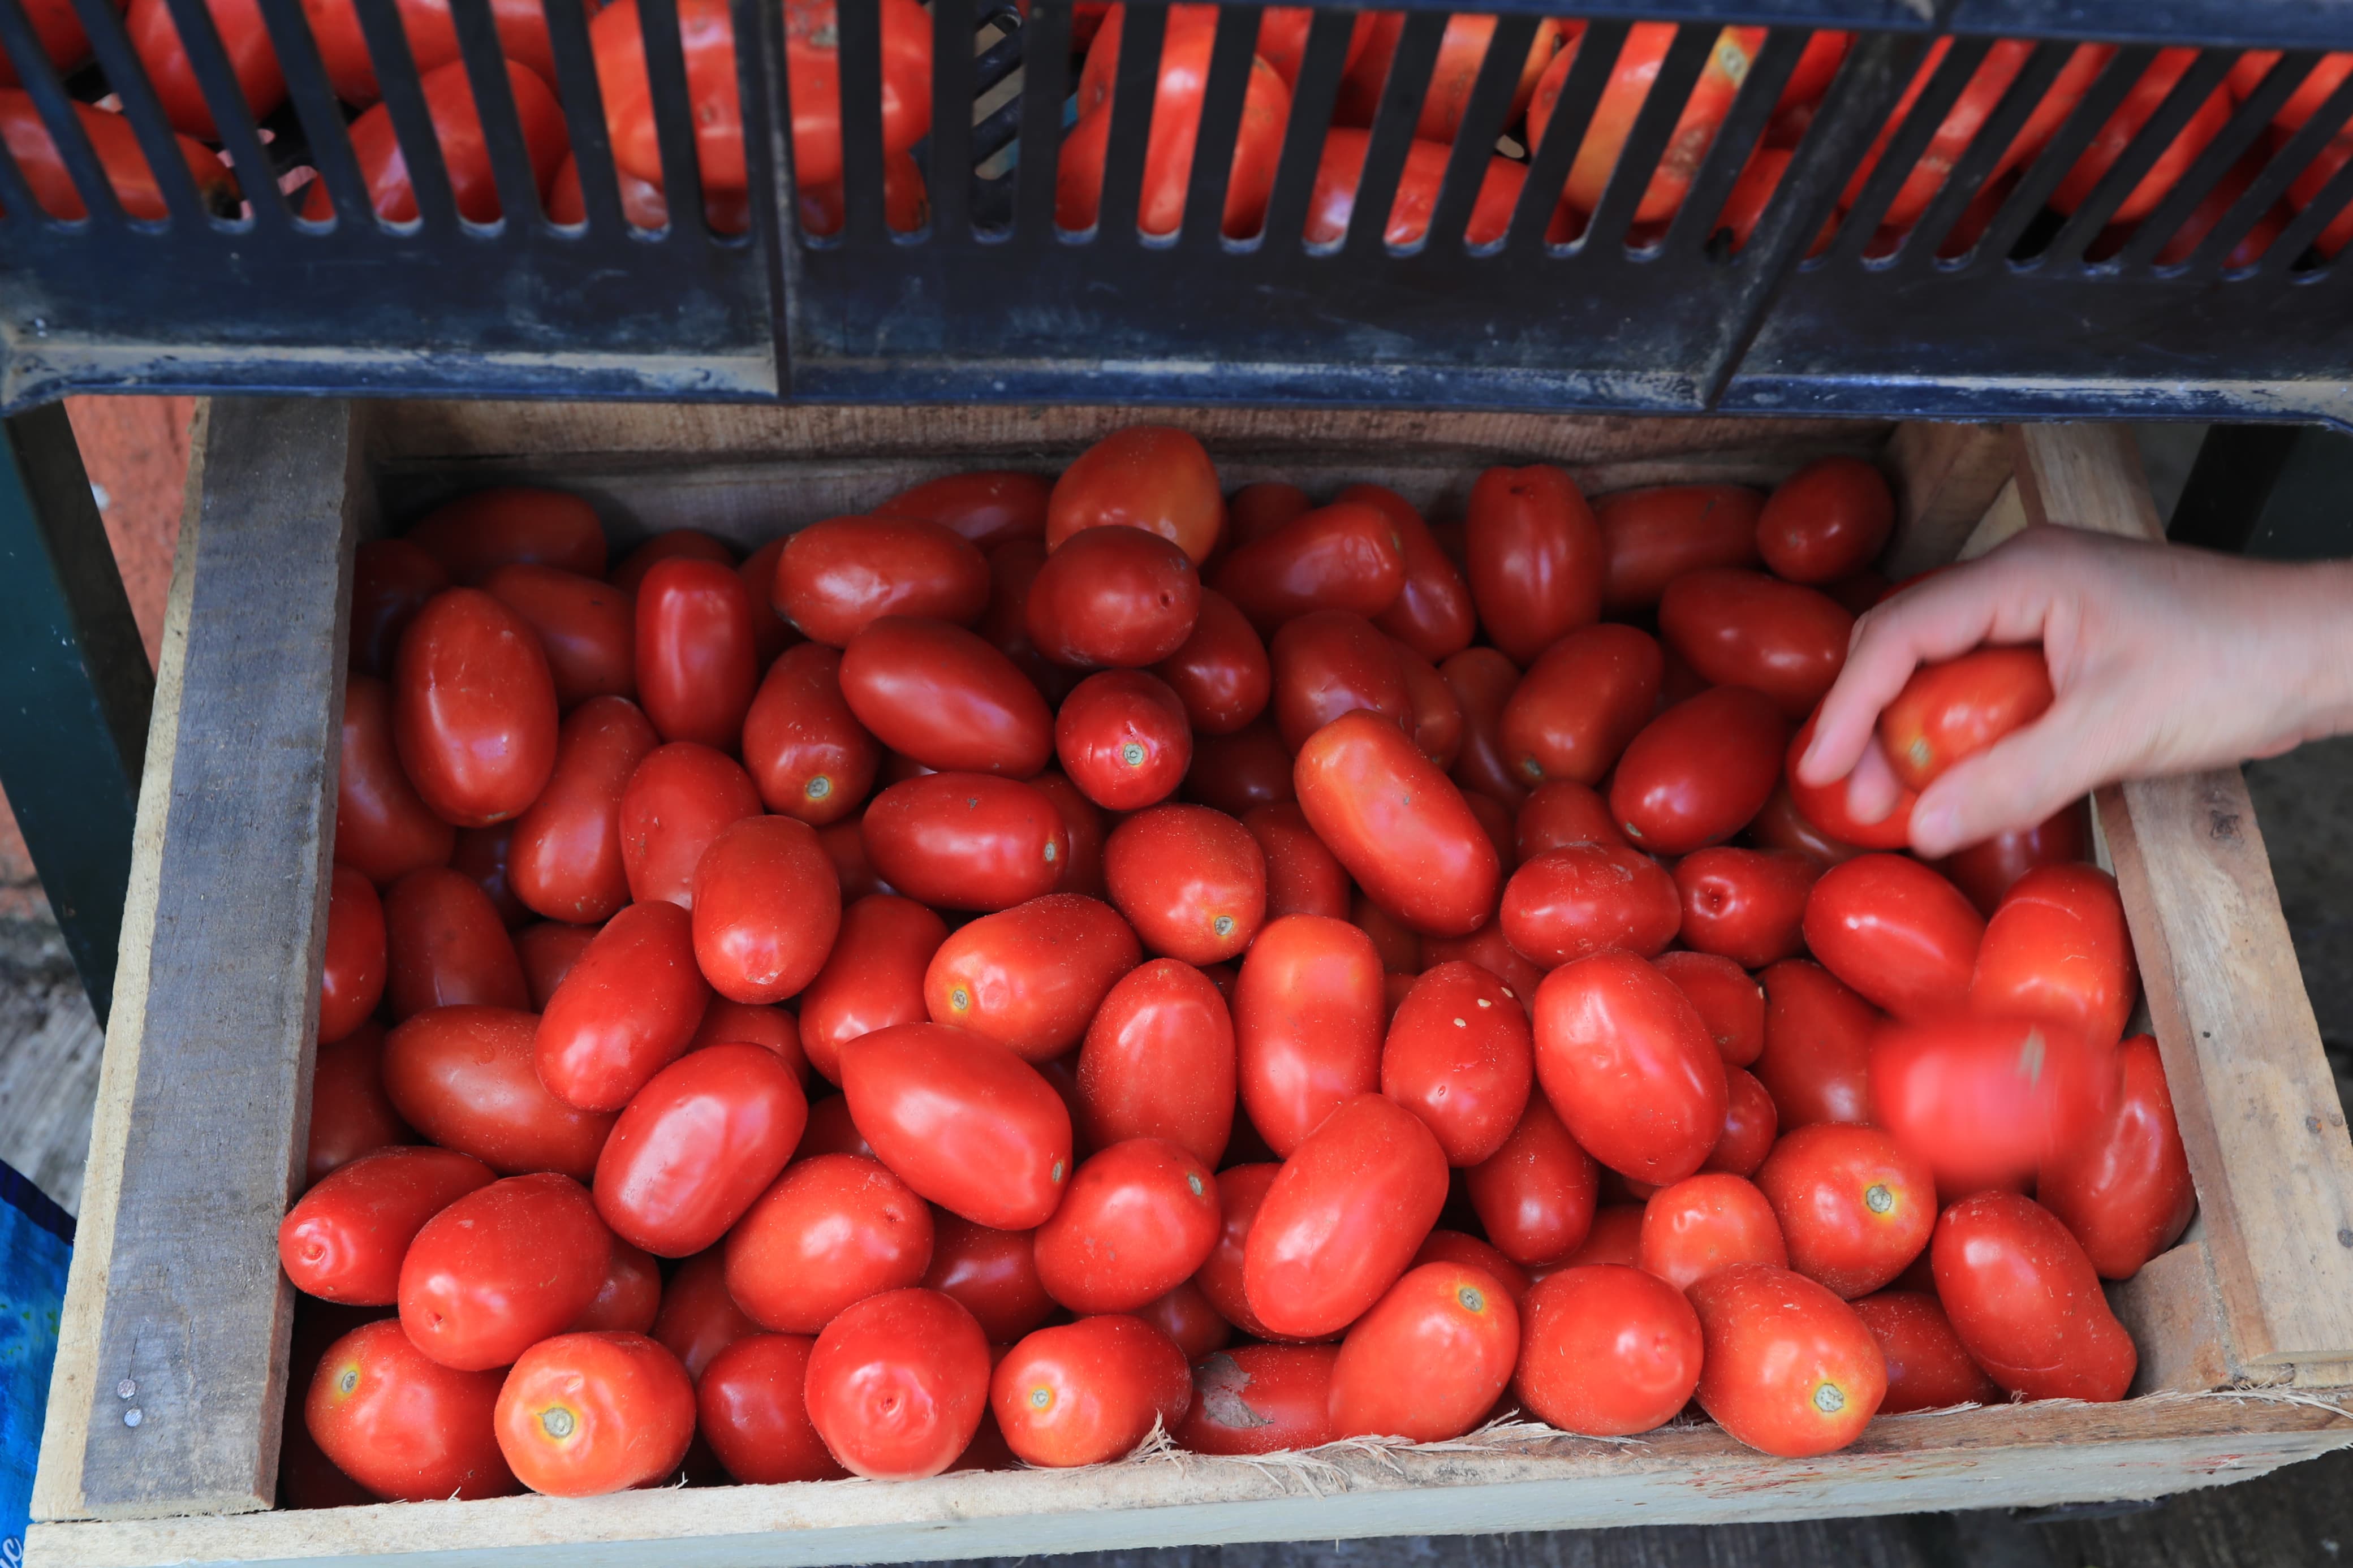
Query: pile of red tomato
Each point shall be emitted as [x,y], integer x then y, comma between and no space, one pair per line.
[1268,972]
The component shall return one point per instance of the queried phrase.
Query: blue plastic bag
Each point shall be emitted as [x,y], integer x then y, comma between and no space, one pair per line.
[36,1242]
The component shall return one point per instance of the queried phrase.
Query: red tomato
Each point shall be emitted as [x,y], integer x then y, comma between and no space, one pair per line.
[344,1240]
[120,156]
[831,1232]
[586,627]
[987,507]
[1738,628]
[1746,905]
[1221,671]
[625,1012]
[1429,1359]
[1483,680]
[697,1145]
[2025,1300]
[1536,1194]
[1191,880]
[1088,1392]
[1139,1218]
[1986,1102]
[1344,1219]
[1123,737]
[771,633]
[1301,877]
[1559,814]
[1462,50]
[674,804]
[1730,1003]
[566,861]
[1566,903]
[1650,537]
[473,708]
[1260,1399]
[1828,521]
[1817,1051]
[2141,104]
[1234,773]
[873,979]
[1750,1123]
[585,1414]
[1536,558]
[2125,1193]
[1897,932]
[1031,977]
[1257,510]
[1436,716]
[1443,1245]
[1607,1350]
[898,1384]
[773,1029]
[60,31]
[961,1119]
[1616,1238]
[351,1115]
[630,1297]
[404,1426]
[351,977]
[1341,170]
[698,1318]
[1433,614]
[1581,702]
[942,696]
[1626,1059]
[697,658]
[1856,1207]
[1309,1016]
[1487,948]
[481,856]
[1394,819]
[751,1408]
[1985,89]
[1241,1192]
[1153,477]
[1780,825]
[1928,1369]
[767,906]
[432,37]
[1124,598]
[1699,772]
[1950,710]
[501,1268]
[445,945]
[967,841]
[464,146]
[1705,1225]
[672,544]
[1159,1062]
[1345,556]
[1985,871]
[391,580]
[1790,1369]
[993,1272]
[1824,808]
[1328,663]
[836,578]
[2057,948]
[1629,88]
[464,1077]
[1459,1055]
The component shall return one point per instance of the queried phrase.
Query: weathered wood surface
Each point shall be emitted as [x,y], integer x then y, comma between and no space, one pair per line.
[169,1380]
[1946,477]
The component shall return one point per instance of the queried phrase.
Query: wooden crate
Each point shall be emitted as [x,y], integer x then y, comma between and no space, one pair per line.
[162,1429]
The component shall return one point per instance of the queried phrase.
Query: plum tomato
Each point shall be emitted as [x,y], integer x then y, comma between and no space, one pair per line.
[1309,1016]
[1396,821]
[501,1268]
[1817,1058]
[473,708]
[1158,1062]
[1628,1060]
[351,974]
[1987,1101]
[1301,877]
[697,1145]
[343,1239]
[806,751]
[1191,880]
[1234,773]
[698,1319]
[1483,680]
[1013,569]
[1241,1191]
[1139,1218]
[1185,1316]
[1985,871]
[1257,510]
[697,656]
[771,633]
[1032,977]
[1928,1368]
[1746,905]
[1650,537]
[2125,1192]
[1730,1003]
[1433,614]
[581,1414]
[1436,716]
[935,692]
[1824,806]
[391,580]
[2057,948]
[1607,1350]
[1736,627]
[465,1077]
[587,628]
[873,979]
[993,1272]
[773,1029]
[351,1115]
[1704,1224]
[987,507]
[967,841]
[1616,1236]
[1221,671]
[836,577]
[404,1426]
[897,1384]
[1345,556]
[1897,932]
[767,904]
[384,830]
[1343,1217]
[1431,1358]
[480,856]
[2025,1300]
[752,1406]
[626,1011]
[1856,1207]
[630,1297]
[676,800]
[1566,903]
[565,862]
[446,946]
[1326,663]
[1487,948]
[831,1231]
[1088,1392]
[1123,740]
[1580,703]
[1443,1245]
[1750,1125]
[1114,597]
[1460,1056]
[1828,521]
[1781,826]
[475,534]
[961,1119]
[1534,1196]
[1790,1369]
[1950,710]
[1536,558]
[1260,1399]
[1152,476]
[1698,772]
[1558,814]
[1083,820]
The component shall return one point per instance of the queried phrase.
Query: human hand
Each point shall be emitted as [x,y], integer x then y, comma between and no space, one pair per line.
[2162,659]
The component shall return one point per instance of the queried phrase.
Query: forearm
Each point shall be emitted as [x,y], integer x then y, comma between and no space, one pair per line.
[2314,623]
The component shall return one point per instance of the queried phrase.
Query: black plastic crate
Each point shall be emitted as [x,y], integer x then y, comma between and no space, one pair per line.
[991,300]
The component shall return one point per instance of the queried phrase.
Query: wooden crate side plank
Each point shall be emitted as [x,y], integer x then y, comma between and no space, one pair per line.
[1947,476]
[2252,1087]
[196,1314]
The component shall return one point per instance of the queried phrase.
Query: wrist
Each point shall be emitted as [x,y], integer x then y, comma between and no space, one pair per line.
[2321,629]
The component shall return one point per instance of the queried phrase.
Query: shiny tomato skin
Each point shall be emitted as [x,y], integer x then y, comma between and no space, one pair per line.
[897,1384]
[1987,870]
[1745,905]
[1535,1196]
[1152,476]
[767,905]
[465,1078]
[993,1272]
[1221,671]
[1534,558]
[1301,877]
[1987,1101]
[1650,537]
[773,1029]
[1581,702]
[1436,716]
[1113,598]
[1487,948]
[625,1012]
[697,1145]
[383,826]
[806,751]
[1705,1224]
[1817,1055]
[351,1115]
[1560,813]
[1122,739]
[1482,681]
[1607,1350]
[391,580]
[565,862]
[352,976]
[966,841]
[2058,948]
[581,1414]
[1825,807]
[987,507]
[1158,1062]
[1185,1316]
[2025,1300]
[1443,1245]
[1628,1060]
[938,693]
[1433,614]
[446,946]
[1954,710]
[1031,977]
[698,1319]
[475,534]
[873,979]
[473,708]
[1616,1236]
[1241,1193]
[830,1232]
[404,1427]
[1738,628]
[1191,880]
[1345,556]
[1928,1368]
[1396,822]
[1829,520]
[1897,932]
[1083,821]
[499,1269]
[1327,663]
[1699,772]
[1234,773]
[1344,1219]
[2125,1193]
[1857,1207]
[1730,1003]
[343,1239]
[1260,1399]
[1750,1125]
[587,628]
[961,1119]
[1459,1055]
[1431,1358]
[1088,1392]
[1566,903]
[1790,1369]
[1139,1218]
[836,578]
[630,1297]
[752,1406]
[1781,826]
[697,658]
[1309,1018]
[674,804]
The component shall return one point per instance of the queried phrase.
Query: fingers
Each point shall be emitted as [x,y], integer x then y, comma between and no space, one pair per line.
[2020,781]
[1872,789]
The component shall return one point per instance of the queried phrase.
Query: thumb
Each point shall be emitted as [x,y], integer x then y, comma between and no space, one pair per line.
[2023,779]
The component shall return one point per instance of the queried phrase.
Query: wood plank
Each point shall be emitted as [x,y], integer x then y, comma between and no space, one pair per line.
[2257,1104]
[2032,1454]
[2004,518]
[2175,1314]
[1946,477]
[195,1313]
